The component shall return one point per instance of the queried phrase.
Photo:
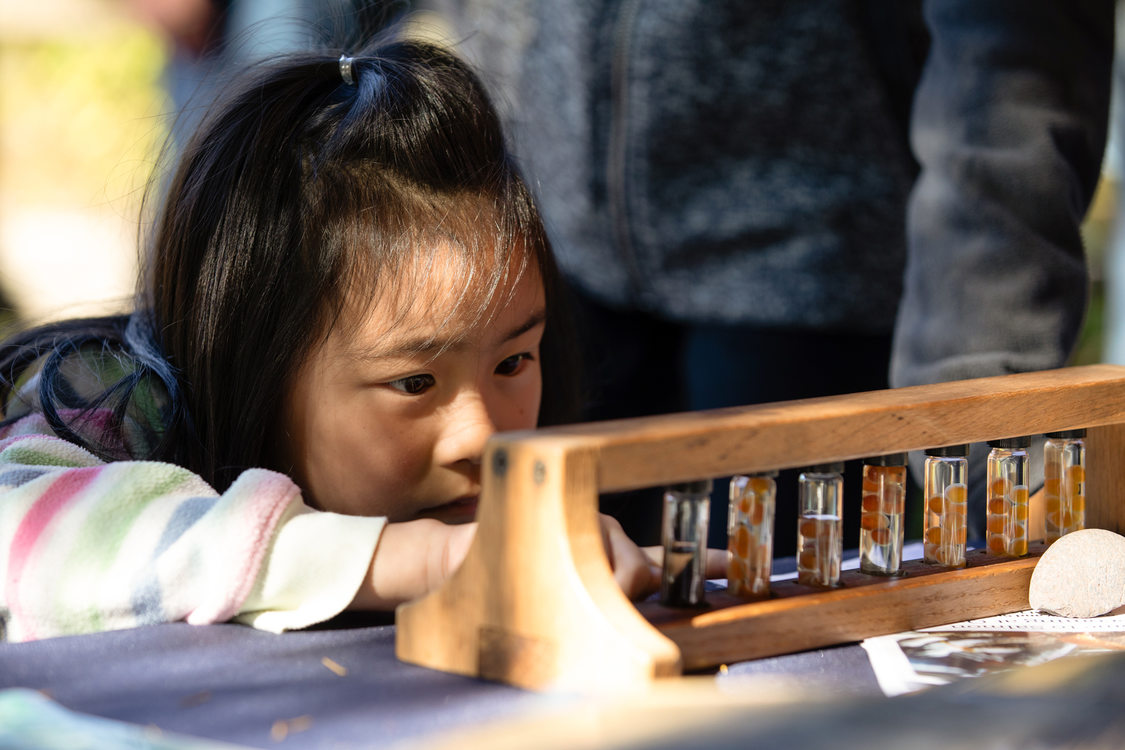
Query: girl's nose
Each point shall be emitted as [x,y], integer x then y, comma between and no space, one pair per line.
[470,423]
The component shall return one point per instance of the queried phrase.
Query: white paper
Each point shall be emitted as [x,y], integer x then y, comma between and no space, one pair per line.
[914,660]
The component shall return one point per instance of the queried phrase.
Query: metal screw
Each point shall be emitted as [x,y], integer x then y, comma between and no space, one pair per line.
[500,463]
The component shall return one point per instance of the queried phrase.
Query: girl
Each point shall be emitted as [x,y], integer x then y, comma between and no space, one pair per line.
[349,290]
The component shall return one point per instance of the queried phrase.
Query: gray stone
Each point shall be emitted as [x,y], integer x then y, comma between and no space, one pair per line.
[1080,575]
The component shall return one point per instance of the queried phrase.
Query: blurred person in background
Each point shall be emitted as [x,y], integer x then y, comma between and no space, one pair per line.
[209,39]
[776,200]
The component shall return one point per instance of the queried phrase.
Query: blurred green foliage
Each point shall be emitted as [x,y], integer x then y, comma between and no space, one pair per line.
[1091,340]
[82,115]
[1097,236]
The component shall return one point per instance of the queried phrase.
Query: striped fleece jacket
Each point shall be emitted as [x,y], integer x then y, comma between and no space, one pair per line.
[87,545]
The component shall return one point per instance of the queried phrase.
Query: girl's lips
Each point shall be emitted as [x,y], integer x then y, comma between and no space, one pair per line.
[461,510]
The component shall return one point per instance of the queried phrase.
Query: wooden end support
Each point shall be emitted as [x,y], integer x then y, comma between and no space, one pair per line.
[535,603]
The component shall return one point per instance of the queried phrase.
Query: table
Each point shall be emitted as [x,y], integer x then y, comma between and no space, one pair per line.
[231,683]
[341,687]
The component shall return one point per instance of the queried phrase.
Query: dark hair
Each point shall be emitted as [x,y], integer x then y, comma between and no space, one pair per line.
[296,189]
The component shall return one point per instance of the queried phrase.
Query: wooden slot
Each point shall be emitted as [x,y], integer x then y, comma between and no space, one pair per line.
[535,603]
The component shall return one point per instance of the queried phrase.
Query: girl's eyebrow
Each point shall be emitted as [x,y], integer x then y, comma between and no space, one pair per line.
[433,345]
[536,318]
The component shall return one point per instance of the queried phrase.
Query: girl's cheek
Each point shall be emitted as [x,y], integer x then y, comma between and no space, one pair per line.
[527,409]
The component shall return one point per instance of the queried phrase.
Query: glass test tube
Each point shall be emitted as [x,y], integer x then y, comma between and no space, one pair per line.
[1064,482]
[820,546]
[946,496]
[1007,497]
[687,508]
[880,523]
[750,534]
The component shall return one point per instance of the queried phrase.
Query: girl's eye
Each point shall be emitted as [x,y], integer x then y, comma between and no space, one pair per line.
[413,384]
[513,364]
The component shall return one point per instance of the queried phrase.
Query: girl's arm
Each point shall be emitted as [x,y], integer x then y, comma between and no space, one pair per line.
[412,559]
[88,546]
[416,557]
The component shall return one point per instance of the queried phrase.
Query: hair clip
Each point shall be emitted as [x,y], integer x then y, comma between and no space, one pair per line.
[347,69]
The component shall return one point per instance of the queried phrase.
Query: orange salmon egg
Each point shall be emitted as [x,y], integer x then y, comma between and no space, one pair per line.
[871,521]
[736,571]
[995,524]
[760,485]
[955,493]
[742,542]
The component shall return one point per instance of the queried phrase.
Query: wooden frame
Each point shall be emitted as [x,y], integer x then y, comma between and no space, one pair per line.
[535,603]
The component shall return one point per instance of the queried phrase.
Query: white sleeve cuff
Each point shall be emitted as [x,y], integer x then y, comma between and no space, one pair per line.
[315,566]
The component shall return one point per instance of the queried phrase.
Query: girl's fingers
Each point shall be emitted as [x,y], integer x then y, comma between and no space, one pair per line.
[632,568]
[716,564]
[638,569]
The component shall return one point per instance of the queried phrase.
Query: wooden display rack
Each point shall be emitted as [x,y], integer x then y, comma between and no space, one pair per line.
[535,603]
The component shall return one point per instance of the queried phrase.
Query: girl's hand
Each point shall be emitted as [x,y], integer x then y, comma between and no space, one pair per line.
[638,569]
[634,569]
[416,557]
[412,559]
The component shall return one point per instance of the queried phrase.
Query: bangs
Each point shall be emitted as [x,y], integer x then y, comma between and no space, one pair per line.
[389,251]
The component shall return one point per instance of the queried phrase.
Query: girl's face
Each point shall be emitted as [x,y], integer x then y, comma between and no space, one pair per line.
[390,414]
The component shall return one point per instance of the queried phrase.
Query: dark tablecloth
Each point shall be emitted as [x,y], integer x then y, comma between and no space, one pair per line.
[232,683]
